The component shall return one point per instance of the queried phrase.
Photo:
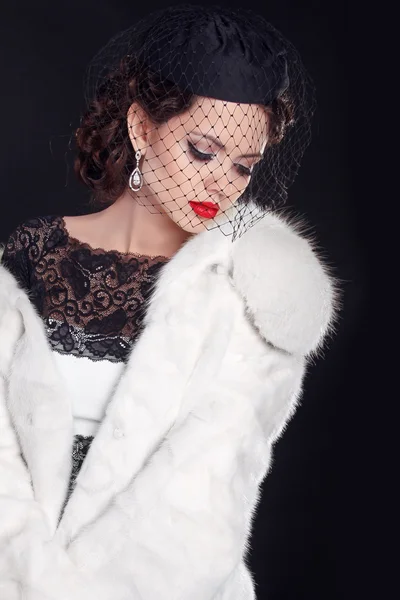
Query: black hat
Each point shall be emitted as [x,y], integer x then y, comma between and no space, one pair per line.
[218,53]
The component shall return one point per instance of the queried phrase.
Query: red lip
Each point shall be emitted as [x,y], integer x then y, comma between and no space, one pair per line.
[205,209]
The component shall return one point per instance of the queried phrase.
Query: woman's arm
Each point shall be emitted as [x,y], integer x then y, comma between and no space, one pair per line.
[19,514]
[15,487]
[181,528]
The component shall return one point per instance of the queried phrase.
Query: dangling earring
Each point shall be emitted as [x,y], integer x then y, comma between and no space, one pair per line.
[136,178]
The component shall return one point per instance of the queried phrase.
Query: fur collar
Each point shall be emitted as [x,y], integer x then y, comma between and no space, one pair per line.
[291,296]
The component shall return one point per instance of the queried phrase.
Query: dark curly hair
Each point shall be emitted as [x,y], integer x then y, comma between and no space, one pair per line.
[105,157]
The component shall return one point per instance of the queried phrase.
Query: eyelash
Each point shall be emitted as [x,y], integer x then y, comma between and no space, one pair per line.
[205,157]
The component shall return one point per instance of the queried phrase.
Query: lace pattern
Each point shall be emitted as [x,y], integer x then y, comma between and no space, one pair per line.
[80,448]
[92,301]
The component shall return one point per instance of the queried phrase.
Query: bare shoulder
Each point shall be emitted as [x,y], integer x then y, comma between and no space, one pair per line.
[83,227]
[76,224]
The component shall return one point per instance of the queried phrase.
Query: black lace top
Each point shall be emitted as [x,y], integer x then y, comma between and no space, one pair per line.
[92,301]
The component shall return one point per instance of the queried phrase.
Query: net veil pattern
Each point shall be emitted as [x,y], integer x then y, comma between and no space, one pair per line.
[227,105]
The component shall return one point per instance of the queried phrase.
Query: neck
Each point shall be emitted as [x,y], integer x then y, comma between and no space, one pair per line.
[129,227]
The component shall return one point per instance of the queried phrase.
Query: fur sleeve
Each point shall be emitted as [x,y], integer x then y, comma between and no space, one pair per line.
[181,529]
[20,516]
[15,488]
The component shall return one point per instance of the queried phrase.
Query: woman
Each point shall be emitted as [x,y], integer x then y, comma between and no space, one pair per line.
[152,351]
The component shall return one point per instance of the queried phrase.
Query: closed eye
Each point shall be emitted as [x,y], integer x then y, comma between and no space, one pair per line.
[242,170]
[199,155]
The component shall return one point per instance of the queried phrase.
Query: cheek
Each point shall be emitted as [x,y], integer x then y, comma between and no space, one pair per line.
[167,166]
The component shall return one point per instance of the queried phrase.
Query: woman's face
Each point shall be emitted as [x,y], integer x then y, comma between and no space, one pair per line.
[204,155]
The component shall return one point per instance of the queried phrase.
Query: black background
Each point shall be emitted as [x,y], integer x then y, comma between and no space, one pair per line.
[301,532]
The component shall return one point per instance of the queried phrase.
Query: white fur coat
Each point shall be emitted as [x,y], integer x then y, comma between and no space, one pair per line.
[163,505]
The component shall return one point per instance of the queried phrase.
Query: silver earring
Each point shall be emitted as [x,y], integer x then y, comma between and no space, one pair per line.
[136,178]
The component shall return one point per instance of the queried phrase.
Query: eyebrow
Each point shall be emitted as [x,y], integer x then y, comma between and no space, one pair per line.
[221,145]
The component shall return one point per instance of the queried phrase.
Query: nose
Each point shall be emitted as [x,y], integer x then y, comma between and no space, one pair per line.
[218,181]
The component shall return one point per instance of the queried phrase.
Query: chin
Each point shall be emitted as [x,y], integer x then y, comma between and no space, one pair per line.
[190,222]
[195,226]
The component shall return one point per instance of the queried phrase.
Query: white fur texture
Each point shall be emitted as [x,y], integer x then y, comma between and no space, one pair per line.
[290,295]
[164,503]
